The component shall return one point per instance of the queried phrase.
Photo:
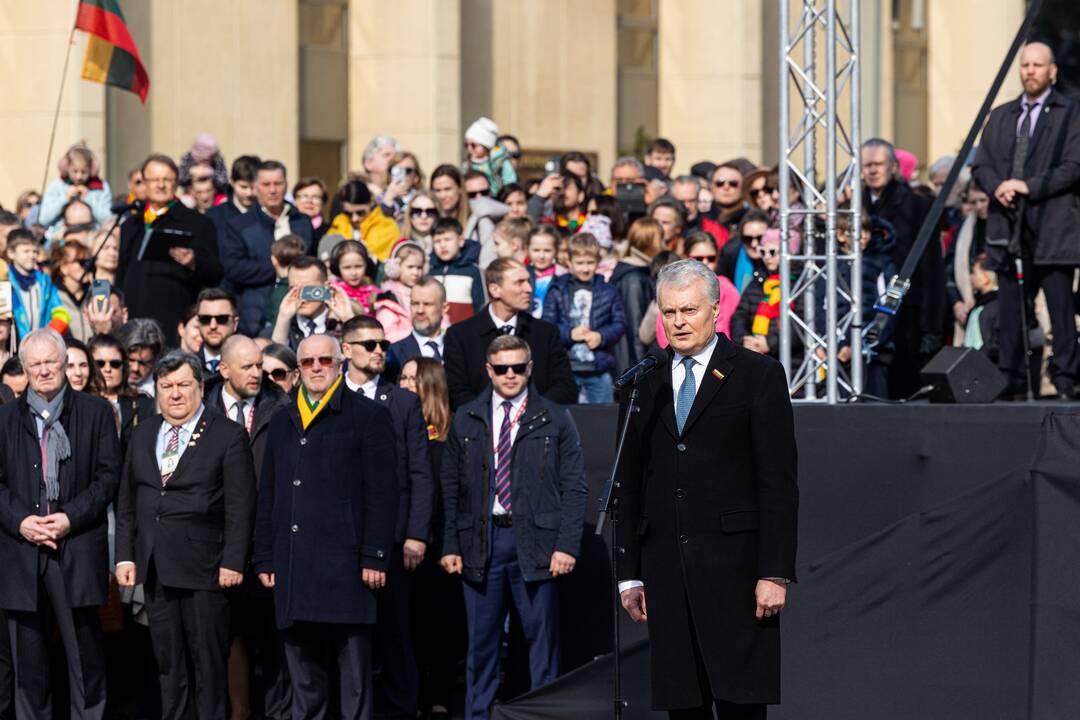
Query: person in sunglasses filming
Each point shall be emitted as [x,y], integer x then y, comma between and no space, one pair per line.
[365,347]
[514,496]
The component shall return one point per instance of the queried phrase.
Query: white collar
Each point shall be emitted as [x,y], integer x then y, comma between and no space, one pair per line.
[422,340]
[189,426]
[515,402]
[499,322]
[701,357]
[371,384]
[284,212]
[229,401]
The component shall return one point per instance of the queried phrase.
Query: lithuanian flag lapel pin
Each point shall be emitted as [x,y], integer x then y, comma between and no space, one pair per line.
[719,375]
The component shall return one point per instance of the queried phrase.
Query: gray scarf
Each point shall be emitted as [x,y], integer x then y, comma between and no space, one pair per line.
[58,447]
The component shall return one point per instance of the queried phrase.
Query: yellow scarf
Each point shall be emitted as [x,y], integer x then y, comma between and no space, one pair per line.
[309,410]
[149,215]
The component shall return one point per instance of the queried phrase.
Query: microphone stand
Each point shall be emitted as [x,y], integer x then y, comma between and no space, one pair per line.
[90,263]
[609,505]
[1017,255]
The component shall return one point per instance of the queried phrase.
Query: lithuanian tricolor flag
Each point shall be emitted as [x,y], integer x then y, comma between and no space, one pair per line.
[111,55]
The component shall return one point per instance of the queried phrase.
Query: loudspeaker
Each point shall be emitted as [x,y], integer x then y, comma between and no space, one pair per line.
[962,375]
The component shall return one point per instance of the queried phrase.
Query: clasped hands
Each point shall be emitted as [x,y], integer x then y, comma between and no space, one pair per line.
[45,530]
[770,597]
[1008,190]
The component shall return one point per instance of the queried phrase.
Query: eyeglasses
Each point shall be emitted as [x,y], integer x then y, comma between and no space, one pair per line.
[423,212]
[369,345]
[278,374]
[310,197]
[770,252]
[729,183]
[751,239]
[704,258]
[219,319]
[324,361]
[514,154]
[114,364]
[518,368]
[763,191]
[478,193]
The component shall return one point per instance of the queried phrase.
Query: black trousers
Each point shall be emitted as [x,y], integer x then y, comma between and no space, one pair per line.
[7,673]
[317,651]
[267,677]
[1056,283]
[440,639]
[397,680]
[80,632]
[189,630]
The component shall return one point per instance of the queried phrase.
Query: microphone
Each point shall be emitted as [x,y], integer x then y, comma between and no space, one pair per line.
[643,368]
[124,207]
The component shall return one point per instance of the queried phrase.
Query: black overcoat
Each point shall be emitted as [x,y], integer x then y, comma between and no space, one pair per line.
[328,500]
[88,482]
[202,519]
[709,513]
[1052,174]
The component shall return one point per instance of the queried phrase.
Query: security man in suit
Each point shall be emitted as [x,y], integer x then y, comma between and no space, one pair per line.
[514,493]
[183,529]
[365,346]
[707,479]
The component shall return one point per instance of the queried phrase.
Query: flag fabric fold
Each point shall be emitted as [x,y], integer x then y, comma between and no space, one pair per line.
[111,56]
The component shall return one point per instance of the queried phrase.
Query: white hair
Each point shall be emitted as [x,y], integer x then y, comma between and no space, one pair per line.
[377,142]
[45,334]
[338,355]
[686,272]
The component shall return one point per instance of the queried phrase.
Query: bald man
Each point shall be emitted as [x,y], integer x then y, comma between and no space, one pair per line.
[247,397]
[1044,126]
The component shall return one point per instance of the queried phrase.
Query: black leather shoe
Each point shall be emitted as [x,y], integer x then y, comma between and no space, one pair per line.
[1065,389]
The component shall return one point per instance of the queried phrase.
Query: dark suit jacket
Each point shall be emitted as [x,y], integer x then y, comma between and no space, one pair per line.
[400,353]
[416,484]
[270,399]
[465,356]
[245,256]
[202,520]
[326,509]
[88,481]
[1052,174]
[134,410]
[163,290]
[708,513]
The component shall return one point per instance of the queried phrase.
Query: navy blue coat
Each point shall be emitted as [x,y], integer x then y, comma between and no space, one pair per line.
[245,257]
[221,215]
[606,316]
[400,353]
[548,491]
[327,506]
[88,483]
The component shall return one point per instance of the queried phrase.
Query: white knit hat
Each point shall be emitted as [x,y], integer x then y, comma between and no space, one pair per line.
[483,132]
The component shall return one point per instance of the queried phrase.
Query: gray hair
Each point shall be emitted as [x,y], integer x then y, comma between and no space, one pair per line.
[890,150]
[338,355]
[173,360]
[627,160]
[141,332]
[944,162]
[377,142]
[688,180]
[685,272]
[45,334]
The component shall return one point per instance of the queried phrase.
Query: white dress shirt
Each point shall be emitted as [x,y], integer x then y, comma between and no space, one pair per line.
[500,323]
[248,406]
[304,323]
[423,340]
[367,388]
[496,427]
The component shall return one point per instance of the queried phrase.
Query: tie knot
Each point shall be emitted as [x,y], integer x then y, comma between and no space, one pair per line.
[506,405]
[507,330]
[688,362]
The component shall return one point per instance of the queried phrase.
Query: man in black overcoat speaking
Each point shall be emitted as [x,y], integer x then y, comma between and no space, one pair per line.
[1047,177]
[707,483]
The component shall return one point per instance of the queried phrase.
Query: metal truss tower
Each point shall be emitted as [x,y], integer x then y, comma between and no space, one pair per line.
[819,118]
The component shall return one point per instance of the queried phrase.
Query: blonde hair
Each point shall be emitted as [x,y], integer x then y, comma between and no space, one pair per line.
[646,236]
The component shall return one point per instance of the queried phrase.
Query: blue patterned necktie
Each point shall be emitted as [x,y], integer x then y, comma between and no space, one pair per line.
[502,473]
[687,391]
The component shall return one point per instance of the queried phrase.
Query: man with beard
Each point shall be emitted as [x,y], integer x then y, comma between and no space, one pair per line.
[364,345]
[216,313]
[427,305]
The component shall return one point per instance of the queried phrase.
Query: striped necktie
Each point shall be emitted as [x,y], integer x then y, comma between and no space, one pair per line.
[502,472]
[172,447]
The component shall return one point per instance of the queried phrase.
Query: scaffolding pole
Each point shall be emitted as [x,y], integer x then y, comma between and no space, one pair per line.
[818,278]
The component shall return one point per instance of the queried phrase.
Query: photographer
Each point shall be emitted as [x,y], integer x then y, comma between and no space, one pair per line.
[311,307]
[566,194]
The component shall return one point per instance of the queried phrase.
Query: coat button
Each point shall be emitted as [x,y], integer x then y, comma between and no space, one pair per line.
[380,554]
[296,482]
[683,539]
[680,493]
[162,493]
[296,528]
[303,441]
[681,447]
[157,518]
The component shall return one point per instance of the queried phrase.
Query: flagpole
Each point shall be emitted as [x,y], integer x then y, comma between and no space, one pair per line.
[56,113]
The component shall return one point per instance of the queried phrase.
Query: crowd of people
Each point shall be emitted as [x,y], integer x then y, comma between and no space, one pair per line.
[313,344]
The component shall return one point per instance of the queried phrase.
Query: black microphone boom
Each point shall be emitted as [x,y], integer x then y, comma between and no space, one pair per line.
[646,366]
[125,206]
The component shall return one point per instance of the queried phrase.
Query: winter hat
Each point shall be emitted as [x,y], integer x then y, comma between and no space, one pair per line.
[772,237]
[204,149]
[483,132]
[600,227]
[392,268]
[908,162]
[327,245]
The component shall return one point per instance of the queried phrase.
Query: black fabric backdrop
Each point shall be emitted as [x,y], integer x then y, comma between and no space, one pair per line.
[937,547]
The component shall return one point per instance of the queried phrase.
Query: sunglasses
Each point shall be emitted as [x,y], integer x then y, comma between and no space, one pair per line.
[518,368]
[751,239]
[729,183]
[278,374]
[370,345]
[478,193]
[325,361]
[704,258]
[770,252]
[423,212]
[514,155]
[114,364]
[219,319]
[763,191]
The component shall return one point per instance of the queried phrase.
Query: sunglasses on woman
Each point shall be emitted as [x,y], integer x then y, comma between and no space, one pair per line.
[324,361]
[762,191]
[704,258]
[423,212]
[478,193]
[278,374]
[770,251]
[114,364]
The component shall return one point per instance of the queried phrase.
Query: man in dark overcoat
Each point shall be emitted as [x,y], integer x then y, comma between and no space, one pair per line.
[707,488]
[59,470]
[325,530]
[1047,178]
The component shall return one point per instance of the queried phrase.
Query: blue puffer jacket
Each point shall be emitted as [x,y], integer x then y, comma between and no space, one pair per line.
[606,316]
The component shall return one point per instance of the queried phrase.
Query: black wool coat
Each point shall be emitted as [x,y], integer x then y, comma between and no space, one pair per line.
[465,356]
[1052,174]
[268,402]
[164,290]
[708,513]
[88,482]
[202,519]
[328,499]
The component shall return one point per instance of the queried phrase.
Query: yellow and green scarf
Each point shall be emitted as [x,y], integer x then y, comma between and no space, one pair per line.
[309,409]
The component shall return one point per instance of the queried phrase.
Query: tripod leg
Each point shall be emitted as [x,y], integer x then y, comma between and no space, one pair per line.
[1024,336]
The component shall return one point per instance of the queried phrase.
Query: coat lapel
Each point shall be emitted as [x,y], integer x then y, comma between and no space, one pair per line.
[194,443]
[665,398]
[717,371]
